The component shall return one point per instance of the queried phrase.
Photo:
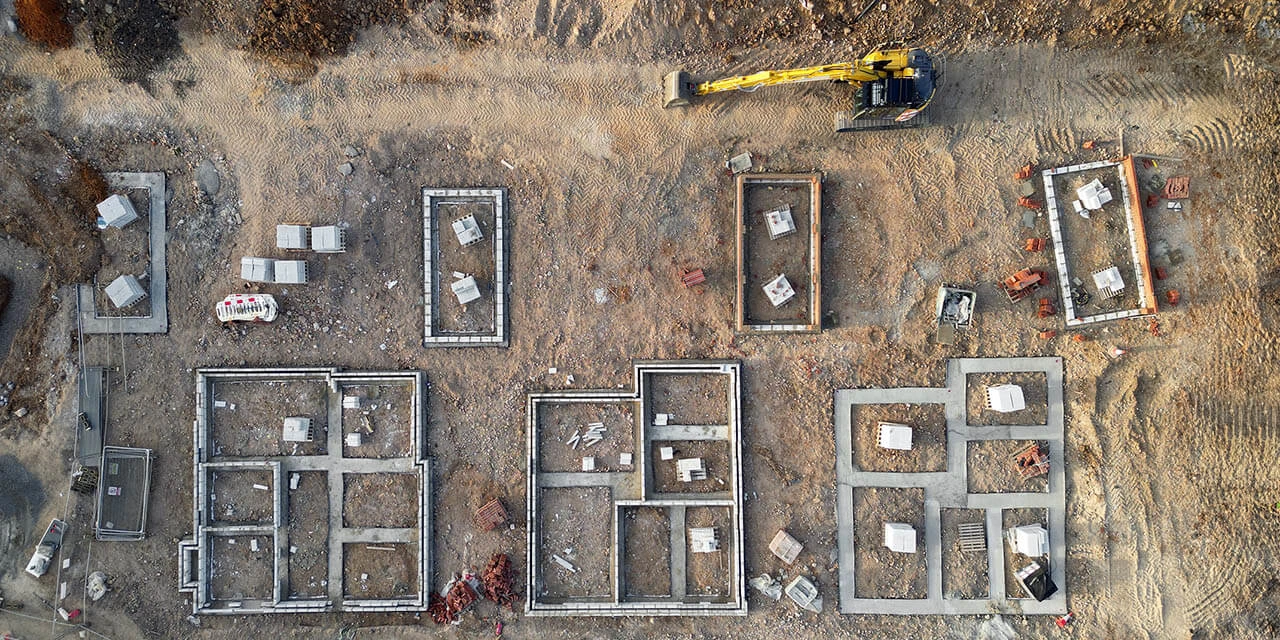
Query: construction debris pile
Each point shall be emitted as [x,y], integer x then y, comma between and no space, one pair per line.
[498,581]
[593,435]
[459,595]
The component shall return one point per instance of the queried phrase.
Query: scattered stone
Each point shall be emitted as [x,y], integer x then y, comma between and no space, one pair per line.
[346,168]
[207,178]
[350,151]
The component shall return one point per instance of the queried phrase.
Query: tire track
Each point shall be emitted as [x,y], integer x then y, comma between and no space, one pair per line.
[1216,136]
[1056,140]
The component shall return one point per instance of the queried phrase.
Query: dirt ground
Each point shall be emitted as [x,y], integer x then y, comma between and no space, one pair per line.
[881,573]
[647,552]
[1035,392]
[559,422]
[22,275]
[965,574]
[387,570]
[715,461]
[991,468]
[709,574]
[576,525]
[1098,242]
[239,572]
[252,421]
[765,257]
[309,533]
[127,252]
[388,410]
[474,260]
[928,424]
[690,399]
[611,190]
[380,499]
[235,498]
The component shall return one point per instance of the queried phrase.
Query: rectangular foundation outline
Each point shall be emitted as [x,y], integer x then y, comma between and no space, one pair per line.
[157,321]
[1147,304]
[737,606]
[194,553]
[949,489]
[815,252]
[431,285]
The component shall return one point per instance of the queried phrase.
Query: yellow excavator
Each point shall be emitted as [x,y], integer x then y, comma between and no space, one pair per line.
[894,86]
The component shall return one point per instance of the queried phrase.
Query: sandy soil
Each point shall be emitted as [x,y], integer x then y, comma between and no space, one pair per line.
[647,551]
[991,468]
[882,573]
[610,190]
[928,424]
[964,573]
[1035,392]
[380,499]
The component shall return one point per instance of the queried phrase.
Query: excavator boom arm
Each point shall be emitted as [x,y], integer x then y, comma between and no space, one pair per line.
[874,66]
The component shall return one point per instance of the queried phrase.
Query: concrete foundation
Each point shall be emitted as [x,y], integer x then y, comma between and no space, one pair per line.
[1137,242]
[196,555]
[812,322]
[157,320]
[633,488]
[949,489]
[436,274]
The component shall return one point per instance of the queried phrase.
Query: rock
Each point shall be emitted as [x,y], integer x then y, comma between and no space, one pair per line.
[346,168]
[207,178]
[350,151]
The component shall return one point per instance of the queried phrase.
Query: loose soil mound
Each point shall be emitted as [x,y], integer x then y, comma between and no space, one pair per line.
[44,21]
[51,211]
[296,34]
[136,38]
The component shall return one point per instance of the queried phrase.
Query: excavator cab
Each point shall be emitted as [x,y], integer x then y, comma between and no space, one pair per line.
[892,102]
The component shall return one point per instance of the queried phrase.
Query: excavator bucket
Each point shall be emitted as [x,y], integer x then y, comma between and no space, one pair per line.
[677,89]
